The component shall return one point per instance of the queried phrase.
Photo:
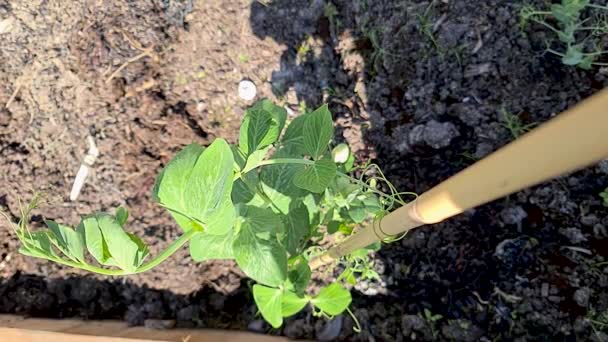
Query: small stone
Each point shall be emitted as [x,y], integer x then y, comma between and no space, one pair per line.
[7,25]
[581,296]
[160,324]
[544,290]
[330,330]
[247,90]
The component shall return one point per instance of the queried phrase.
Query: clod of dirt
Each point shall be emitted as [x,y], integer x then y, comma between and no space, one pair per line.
[434,134]
[603,166]
[258,325]
[581,296]
[575,235]
[329,330]
[297,328]
[413,326]
[160,324]
[513,215]
[514,252]
[461,330]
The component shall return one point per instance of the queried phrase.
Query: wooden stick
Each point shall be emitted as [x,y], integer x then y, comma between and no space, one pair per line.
[571,141]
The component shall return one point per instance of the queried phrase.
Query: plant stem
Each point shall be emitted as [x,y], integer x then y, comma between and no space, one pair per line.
[286,161]
[541,22]
[598,6]
[177,244]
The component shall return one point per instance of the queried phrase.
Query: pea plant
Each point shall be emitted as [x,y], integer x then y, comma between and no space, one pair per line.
[268,203]
[581,39]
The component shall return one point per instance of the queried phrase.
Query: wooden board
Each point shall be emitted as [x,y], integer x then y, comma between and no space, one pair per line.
[19,329]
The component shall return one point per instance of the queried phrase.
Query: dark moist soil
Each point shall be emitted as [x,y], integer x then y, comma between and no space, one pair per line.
[420,88]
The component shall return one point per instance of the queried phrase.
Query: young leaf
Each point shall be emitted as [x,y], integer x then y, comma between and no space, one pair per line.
[196,187]
[37,244]
[293,139]
[299,277]
[93,239]
[142,250]
[125,252]
[171,183]
[277,184]
[261,126]
[316,178]
[205,246]
[573,56]
[263,260]
[333,299]
[121,216]
[317,131]
[297,227]
[268,301]
[255,159]
[291,303]
[67,240]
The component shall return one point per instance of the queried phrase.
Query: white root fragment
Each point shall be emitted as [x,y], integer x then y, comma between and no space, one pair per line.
[85,167]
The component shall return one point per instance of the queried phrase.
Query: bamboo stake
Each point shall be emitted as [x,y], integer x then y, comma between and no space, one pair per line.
[571,141]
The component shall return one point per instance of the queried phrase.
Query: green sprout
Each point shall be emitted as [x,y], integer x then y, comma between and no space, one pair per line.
[266,203]
[514,124]
[571,30]
[604,196]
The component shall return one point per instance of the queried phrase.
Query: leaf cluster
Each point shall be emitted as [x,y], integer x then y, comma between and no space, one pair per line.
[265,203]
[575,30]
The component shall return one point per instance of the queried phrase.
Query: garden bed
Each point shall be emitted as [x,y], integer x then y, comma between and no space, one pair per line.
[422,89]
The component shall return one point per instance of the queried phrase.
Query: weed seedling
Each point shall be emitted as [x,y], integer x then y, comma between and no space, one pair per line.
[266,203]
[604,196]
[580,38]
[514,124]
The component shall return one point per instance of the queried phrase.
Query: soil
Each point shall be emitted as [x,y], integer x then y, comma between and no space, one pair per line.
[420,88]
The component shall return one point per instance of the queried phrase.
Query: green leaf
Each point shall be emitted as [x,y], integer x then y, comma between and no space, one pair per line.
[299,277]
[93,239]
[142,250]
[268,301]
[196,188]
[255,159]
[206,247]
[122,215]
[318,130]
[263,222]
[67,240]
[333,299]
[297,227]
[261,126]
[260,255]
[573,56]
[316,178]
[293,139]
[125,252]
[276,181]
[37,244]
[291,303]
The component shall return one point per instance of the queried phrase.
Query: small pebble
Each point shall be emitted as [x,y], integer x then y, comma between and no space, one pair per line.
[247,90]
